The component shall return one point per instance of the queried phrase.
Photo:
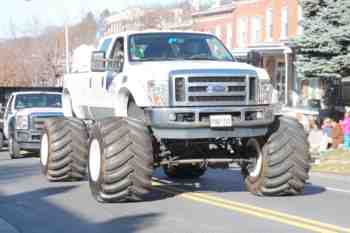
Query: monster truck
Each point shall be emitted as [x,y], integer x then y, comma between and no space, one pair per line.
[176,100]
[24,119]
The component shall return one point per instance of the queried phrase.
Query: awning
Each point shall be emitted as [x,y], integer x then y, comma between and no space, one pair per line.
[263,49]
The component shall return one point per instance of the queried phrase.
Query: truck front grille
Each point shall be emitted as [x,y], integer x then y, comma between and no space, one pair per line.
[216,98]
[38,122]
[198,90]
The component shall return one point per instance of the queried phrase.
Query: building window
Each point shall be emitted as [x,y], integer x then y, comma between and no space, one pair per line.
[269,24]
[284,23]
[255,30]
[218,31]
[229,36]
[300,19]
[242,31]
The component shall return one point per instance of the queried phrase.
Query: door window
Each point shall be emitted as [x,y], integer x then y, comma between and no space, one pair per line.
[117,55]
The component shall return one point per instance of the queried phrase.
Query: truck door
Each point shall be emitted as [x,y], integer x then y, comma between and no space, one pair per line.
[102,82]
[96,102]
[9,113]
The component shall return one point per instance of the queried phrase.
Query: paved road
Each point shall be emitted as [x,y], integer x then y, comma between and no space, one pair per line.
[217,203]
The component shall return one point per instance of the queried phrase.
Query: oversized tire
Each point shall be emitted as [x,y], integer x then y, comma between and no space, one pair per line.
[184,171]
[64,149]
[1,140]
[14,149]
[120,160]
[282,160]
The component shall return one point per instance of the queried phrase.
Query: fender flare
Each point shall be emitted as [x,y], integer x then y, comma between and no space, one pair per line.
[122,100]
[72,110]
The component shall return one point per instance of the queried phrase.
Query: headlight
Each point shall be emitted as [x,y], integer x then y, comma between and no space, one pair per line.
[158,91]
[22,122]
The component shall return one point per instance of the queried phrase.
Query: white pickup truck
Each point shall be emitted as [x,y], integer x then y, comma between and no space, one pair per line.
[176,100]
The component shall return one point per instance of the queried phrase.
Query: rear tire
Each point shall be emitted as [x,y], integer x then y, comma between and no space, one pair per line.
[64,150]
[120,160]
[14,149]
[282,160]
[184,171]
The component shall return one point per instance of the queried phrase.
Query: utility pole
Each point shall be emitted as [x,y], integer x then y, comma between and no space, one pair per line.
[66,33]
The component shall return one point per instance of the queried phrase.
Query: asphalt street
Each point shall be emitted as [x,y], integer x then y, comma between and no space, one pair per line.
[216,203]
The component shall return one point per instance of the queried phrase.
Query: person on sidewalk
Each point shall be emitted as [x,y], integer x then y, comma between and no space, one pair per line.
[346,129]
[336,134]
[326,139]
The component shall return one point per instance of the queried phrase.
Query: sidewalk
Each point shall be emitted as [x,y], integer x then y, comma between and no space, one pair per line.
[5,227]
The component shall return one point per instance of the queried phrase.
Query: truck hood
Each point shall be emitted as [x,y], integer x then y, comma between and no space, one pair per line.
[161,69]
[41,111]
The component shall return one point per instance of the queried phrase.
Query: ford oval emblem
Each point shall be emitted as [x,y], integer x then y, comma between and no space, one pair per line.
[216,88]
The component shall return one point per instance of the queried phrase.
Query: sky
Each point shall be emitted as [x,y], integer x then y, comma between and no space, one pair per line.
[24,16]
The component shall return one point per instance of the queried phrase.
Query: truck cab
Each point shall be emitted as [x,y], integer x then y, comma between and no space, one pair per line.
[24,119]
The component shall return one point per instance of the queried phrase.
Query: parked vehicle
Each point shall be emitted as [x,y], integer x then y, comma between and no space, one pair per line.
[24,119]
[176,100]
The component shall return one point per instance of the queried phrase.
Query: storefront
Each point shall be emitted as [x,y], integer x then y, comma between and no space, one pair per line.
[273,58]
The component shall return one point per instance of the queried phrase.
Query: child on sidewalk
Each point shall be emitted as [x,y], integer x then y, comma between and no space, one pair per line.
[326,139]
[336,135]
[346,129]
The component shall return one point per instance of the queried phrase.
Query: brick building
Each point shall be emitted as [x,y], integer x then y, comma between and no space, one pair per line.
[263,26]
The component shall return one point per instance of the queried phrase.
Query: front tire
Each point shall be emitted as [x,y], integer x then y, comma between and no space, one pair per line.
[282,160]
[184,171]
[63,154]
[120,160]
[1,140]
[14,149]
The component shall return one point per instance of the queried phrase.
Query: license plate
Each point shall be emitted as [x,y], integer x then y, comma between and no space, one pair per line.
[220,121]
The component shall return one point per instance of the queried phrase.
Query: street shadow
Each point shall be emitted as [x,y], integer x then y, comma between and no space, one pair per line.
[36,211]
[311,189]
[221,181]
[24,155]
[10,172]
[214,180]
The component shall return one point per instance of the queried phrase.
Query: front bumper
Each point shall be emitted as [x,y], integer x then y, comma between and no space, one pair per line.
[28,139]
[166,125]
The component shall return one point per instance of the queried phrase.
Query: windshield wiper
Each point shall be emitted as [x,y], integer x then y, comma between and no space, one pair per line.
[158,59]
[201,56]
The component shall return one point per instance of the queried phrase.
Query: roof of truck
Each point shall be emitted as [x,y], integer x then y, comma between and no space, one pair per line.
[34,92]
[127,33]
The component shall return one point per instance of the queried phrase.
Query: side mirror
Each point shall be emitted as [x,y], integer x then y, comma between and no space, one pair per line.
[98,61]
[253,58]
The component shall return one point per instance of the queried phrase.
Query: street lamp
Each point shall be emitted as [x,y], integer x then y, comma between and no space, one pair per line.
[287,51]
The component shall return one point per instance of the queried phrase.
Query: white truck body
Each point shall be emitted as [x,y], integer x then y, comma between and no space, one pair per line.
[96,95]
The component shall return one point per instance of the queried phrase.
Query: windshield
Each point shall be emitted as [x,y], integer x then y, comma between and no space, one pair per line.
[177,46]
[38,101]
